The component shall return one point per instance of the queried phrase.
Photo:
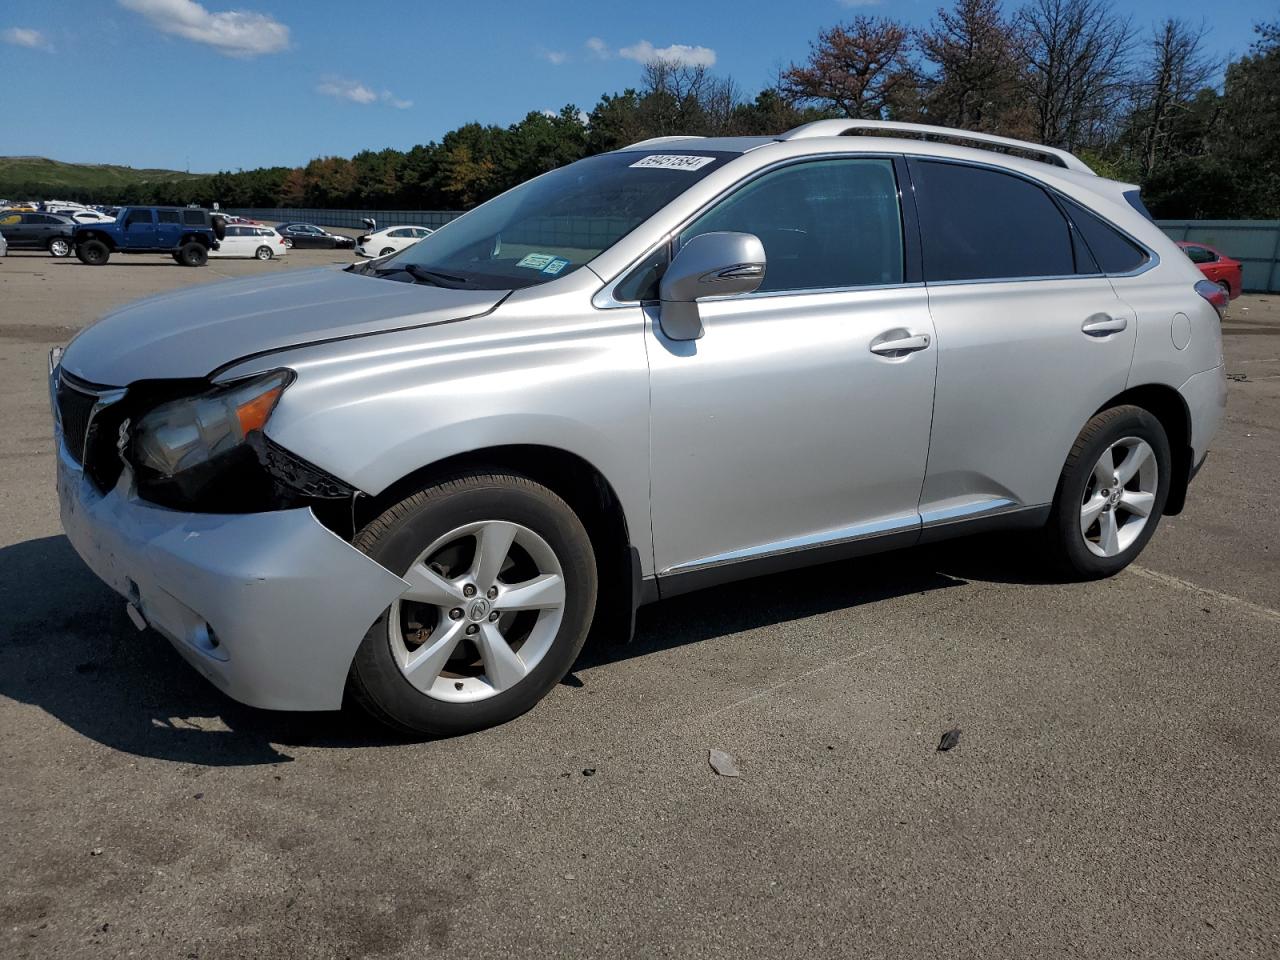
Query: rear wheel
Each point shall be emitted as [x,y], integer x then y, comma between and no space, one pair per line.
[502,590]
[60,247]
[93,252]
[193,254]
[263,253]
[387,251]
[1226,288]
[1111,493]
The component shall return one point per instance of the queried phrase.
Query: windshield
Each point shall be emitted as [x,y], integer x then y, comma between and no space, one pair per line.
[552,225]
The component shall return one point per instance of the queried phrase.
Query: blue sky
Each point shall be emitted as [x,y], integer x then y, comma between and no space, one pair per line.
[227,84]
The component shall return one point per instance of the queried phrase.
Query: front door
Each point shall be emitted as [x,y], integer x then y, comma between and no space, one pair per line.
[139,230]
[788,425]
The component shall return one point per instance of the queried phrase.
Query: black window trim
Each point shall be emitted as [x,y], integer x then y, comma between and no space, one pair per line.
[1056,196]
[912,275]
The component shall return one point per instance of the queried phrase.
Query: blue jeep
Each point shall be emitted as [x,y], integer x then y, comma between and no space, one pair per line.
[187,233]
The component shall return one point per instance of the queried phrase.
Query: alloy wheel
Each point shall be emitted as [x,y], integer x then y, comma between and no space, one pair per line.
[484,606]
[1119,497]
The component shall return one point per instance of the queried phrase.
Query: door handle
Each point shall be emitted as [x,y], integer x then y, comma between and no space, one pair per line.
[1101,324]
[900,345]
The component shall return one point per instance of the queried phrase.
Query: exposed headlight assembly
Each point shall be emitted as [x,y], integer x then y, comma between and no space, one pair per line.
[182,434]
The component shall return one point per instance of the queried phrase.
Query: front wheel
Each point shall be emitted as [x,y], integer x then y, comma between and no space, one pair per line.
[93,252]
[60,247]
[502,591]
[263,253]
[1111,493]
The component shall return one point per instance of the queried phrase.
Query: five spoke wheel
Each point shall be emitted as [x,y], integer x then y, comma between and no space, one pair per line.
[484,605]
[1119,496]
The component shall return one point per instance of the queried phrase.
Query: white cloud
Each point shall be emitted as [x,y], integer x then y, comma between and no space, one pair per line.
[25,37]
[233,33]
[553,57]
[341,88]
[598,48]
[678,53]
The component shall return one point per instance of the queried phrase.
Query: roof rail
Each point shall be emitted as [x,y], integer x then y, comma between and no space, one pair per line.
[836,128]
[652,141]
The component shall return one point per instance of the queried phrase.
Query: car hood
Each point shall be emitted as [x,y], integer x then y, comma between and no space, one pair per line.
[193,332]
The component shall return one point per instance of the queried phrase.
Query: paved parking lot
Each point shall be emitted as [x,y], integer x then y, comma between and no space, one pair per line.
[1114,792]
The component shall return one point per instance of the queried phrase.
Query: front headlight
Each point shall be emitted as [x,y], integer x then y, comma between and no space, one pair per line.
[182,434]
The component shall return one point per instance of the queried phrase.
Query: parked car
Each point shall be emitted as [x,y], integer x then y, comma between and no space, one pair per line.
[89,216]
[186,233]
[247,241]
[389,239]
[38,231]
[420,480]
[1216,266]
[309,235]
[4,246]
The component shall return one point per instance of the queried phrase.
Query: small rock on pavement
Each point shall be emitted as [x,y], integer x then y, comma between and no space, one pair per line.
[723,764]
[95,852]
[949,740]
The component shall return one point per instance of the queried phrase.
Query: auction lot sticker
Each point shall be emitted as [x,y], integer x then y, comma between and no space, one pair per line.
[673,161]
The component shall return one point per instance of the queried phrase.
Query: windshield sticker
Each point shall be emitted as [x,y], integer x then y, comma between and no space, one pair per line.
[535,261]
[555,266]
[673,161]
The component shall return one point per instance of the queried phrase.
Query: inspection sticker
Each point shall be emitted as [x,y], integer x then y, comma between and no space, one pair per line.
[555,266]
[535,261]
[673,161]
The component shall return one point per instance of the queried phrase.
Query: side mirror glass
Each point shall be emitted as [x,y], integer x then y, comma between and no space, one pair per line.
[710,265]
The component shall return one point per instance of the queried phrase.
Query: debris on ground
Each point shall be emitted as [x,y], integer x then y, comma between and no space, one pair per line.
[723,764]
[589,772]
[95,852]
[949,740]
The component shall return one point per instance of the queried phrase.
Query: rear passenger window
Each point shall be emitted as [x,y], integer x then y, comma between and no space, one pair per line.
[824,224]
[168,216]
[1114,252]
[980,224]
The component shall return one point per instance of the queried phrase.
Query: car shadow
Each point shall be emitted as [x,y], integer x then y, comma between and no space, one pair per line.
[68,648]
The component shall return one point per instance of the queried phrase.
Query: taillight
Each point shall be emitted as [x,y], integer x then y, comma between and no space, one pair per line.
[1216,296]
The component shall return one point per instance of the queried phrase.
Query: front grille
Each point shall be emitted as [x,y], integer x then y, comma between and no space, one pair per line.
[75,410]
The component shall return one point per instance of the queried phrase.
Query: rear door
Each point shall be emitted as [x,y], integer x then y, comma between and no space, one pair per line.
[168,227]
[1031,337]
[139,229]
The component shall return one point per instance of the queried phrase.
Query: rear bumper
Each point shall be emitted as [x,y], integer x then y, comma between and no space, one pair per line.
[1205,394]
[270,607]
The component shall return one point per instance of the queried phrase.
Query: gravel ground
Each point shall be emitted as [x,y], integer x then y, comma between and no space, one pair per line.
[1113,792]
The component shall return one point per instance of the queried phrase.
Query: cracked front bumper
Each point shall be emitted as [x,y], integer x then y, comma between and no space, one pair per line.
[270,607]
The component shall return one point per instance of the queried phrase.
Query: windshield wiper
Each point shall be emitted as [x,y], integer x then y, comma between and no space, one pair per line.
[446,280]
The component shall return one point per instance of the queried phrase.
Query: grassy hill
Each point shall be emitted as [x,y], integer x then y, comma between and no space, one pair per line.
[52,177]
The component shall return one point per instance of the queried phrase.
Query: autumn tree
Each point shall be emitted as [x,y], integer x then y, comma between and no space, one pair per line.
[862,69]
[974,77]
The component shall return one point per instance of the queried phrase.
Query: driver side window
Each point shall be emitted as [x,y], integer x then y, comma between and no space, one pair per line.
[824,224]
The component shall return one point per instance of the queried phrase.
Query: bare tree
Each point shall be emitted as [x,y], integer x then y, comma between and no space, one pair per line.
[862,68]
[974,83]
[678,98]
[1173,72]
[1074,54]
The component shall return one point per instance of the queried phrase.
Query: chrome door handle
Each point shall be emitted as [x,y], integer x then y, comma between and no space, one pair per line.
[1101,324]
[901,345]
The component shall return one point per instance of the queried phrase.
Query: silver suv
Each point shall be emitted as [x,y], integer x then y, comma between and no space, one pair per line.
[420,480]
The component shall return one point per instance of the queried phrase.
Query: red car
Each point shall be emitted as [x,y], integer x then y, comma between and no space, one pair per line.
[1215,265]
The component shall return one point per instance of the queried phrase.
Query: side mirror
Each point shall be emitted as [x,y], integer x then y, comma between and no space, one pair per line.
[710,265]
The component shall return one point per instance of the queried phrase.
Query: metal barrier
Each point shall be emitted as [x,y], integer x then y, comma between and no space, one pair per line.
[347,218]
[1255,243]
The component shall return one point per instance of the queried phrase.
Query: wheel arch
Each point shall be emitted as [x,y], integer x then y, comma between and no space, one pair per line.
[577,481]
[94,235]
[199,238]
[1168,406]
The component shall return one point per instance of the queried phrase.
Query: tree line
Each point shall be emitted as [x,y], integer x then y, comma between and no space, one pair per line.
[1144,106]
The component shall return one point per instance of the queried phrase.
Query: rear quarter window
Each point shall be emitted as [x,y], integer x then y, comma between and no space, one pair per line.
[1114,252]
[193,218]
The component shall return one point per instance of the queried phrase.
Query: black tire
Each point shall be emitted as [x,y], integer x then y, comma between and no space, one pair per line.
[60,247]
[193,254]
[1066,541]
[263,253]
[398,536]
[387,251]
[219,225]
[93,252]
[288,243]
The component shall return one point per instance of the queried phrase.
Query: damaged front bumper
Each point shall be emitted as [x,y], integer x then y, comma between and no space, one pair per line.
[270,607]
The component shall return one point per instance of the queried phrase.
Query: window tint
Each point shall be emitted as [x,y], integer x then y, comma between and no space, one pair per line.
[1201,255]
[977,224]
[826,223]
[138,216]
[1114,252]
[193,218]
[168,216]
[403,232]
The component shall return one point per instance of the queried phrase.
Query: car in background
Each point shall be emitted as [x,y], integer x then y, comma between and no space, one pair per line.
[187,234]
[1216,266]
[243,240]
[309,235]
[4,246]
[38,231]
[89,216]
[389,240]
